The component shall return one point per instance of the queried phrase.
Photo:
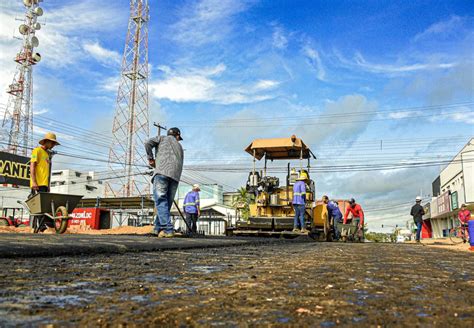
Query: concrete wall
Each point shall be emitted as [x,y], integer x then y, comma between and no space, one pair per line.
[452,174]
[76,183]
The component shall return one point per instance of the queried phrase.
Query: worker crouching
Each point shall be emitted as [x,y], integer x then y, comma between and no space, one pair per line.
[299,202]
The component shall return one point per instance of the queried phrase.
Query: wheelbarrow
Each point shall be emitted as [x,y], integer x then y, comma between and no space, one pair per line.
[55,207]
[350,232]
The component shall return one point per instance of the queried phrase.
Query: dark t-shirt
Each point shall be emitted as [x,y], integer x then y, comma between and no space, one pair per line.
[417,212]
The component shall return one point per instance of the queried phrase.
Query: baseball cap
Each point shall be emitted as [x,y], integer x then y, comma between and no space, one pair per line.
[175,132]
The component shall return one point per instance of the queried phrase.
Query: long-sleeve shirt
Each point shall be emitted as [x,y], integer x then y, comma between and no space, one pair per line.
[169,156]
[356,211]
[417,212]
[191,202]
[299,193]
[464,216]
[334,211]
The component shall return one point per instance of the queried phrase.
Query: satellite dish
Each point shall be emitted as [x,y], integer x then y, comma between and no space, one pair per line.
[24,29]
[34,41]
[37,26]
[36,57]
[38,11]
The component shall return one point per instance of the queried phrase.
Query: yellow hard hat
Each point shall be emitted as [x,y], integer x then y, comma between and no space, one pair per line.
[303,176]
[49,136]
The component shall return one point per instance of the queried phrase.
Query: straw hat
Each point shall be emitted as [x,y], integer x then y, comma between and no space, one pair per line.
[49,136]
[196,187]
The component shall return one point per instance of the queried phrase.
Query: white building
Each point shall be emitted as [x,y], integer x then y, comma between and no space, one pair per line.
[76,183]
[452,188]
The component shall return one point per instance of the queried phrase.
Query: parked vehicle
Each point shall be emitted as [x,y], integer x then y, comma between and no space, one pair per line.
[12,216]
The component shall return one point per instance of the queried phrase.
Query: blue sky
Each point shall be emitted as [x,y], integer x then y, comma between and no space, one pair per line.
[353,64]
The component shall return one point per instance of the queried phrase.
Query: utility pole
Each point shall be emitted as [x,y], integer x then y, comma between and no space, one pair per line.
[159,128]
[131,122]
[19,109]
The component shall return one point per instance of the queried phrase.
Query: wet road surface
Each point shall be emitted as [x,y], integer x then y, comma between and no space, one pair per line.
[279,284]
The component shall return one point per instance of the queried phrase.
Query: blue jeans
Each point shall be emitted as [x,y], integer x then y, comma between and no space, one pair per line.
[164,190]
[299,216]
[418,230]
[337,229]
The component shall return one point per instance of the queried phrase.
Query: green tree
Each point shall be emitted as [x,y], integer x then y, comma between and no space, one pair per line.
[242,203]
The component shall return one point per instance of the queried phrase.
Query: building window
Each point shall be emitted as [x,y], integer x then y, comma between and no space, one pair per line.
[57,173]
[90,188]
[78,174]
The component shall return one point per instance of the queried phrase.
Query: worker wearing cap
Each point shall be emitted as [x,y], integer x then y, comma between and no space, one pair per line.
[357,215]
[40,164]
[417,212]
[299,202]
[464,217]
[192,208]
[166,155]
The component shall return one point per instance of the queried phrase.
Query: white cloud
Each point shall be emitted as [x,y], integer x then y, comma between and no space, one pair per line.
[279,39]
[202,85]
[315,61]
[111,84]
[442,27]
[354,104]
[184,88]
[104,56]
[266,84]
[360,61]
[402,115]
[206,21]
[40,111]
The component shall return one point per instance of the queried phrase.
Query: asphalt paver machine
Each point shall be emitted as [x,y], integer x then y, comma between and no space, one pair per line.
[271,212]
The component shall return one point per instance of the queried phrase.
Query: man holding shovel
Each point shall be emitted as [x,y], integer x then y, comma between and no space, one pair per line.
[166,155]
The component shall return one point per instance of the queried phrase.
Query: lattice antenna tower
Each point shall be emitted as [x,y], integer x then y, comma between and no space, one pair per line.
[18,116]
[127,157]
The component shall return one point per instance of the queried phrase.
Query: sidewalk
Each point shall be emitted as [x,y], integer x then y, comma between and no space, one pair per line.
[444,243]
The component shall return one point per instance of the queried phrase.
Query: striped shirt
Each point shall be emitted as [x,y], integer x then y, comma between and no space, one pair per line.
[191,202]
[299,193]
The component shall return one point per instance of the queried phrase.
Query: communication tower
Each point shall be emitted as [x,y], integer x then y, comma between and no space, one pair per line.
[127,157]
[18,116]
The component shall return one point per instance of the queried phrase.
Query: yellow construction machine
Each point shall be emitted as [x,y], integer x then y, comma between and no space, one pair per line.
[271,212]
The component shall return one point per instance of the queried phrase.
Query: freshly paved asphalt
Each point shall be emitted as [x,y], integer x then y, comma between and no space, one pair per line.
[29,245]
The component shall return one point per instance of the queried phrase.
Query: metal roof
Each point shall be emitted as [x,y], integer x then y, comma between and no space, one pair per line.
[279,148]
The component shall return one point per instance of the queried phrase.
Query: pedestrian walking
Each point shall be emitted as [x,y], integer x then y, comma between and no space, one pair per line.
[417,213]
[357,217]
[334,215]
[299,202]
[191,207]
[40,172]
[166,155]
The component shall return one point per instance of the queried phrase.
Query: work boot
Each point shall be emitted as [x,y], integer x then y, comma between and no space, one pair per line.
[169,235]
[296,230]
[161,234]
[304,230]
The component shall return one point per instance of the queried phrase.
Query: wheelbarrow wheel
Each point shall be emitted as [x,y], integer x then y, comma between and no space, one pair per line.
[60,225]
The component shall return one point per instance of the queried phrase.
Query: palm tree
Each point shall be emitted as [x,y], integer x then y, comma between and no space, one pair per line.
[242,203]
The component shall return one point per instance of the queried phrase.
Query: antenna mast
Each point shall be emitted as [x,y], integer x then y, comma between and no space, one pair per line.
[19,111]
[131,129]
